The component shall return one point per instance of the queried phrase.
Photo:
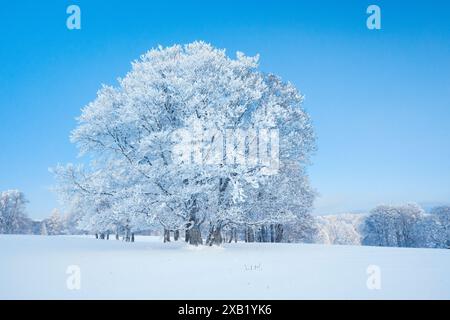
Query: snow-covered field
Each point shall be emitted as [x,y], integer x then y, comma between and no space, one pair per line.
[34,267]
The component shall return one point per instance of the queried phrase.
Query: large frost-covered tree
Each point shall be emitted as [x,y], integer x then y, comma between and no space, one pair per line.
[157,143]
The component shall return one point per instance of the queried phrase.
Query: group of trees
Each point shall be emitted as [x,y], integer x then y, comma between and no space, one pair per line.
[407,226]
[159,161]
[339,229]
[390,226]
[14,219]
[196,145]
[59,224]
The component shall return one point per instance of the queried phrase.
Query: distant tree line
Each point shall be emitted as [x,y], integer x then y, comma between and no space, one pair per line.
[389,226]
[14,219]
[386,225]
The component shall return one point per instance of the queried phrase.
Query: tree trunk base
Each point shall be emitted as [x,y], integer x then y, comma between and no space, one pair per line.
[195,236]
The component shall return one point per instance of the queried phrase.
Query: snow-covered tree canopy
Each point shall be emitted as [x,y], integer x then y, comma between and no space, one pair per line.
[442,214]
[55,224]
[13,218]
[392,226]
[340,229]
[403,226]
[163,139]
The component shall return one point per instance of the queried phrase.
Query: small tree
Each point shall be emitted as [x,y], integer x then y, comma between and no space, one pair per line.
[13,218]
[54,224]
[443,215]
[43,229]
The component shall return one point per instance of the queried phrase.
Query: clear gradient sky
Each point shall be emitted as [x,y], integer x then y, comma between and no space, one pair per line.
[379,99]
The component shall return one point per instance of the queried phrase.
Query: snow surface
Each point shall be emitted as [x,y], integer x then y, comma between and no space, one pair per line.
[34,267]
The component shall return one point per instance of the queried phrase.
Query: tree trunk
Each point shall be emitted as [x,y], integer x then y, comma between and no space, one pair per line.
[278,233]
[107,235]
[195,235]
[210,232]
[262,234]
[176,235]
[272,233]
[96,236]
[166,235]
[233,235]
[117,236]
[132,237]
[249,235]
[215,236]
[193,232]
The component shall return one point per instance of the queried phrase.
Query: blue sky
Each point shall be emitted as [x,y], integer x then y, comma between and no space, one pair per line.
[379,99]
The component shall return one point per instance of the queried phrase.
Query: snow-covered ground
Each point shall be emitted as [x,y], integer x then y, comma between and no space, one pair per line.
[34,267]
